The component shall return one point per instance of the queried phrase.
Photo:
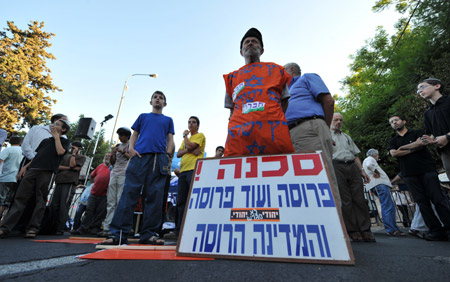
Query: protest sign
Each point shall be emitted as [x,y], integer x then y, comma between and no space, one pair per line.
[277,207]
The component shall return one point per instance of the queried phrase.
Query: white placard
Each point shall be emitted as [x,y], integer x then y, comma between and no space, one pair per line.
[277,207]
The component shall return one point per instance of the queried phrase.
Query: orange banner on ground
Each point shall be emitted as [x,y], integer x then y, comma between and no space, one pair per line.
[138,254]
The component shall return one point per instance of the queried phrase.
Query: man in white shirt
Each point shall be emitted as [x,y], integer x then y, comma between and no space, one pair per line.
[35,135]
[380,184]
[10,157]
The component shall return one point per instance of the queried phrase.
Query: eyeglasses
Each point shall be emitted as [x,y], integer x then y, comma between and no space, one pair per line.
[422,87]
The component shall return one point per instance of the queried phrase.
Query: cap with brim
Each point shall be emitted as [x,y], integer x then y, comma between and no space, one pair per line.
[66,122]
[253,32]
[122,129]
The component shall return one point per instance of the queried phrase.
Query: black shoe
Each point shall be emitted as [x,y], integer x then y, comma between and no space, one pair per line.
[436,236]
[171,235]
[104,233]
[79,231]
[94,231]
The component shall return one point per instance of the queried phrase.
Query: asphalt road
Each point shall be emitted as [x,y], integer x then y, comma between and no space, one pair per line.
[390,259]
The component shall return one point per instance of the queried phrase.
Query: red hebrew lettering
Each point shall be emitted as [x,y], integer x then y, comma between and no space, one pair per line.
[298,170]
[283,166]
[199,170]
[253,168]
[237,168]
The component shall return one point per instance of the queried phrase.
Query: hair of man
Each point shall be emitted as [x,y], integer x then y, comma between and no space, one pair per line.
[15,140]
[295,67]
[77,144]
[196,119]
[396,115]
[160,93]
[372,153]
[434,81]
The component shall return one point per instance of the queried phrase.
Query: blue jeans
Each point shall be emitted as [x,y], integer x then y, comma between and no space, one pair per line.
[146,175]
[387,207]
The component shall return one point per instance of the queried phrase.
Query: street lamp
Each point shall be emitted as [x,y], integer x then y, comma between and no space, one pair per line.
[121,101]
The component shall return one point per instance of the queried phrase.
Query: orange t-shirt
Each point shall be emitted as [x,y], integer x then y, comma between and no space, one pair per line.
[258,125]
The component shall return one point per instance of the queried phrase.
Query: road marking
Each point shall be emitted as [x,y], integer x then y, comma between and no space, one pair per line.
[37,265]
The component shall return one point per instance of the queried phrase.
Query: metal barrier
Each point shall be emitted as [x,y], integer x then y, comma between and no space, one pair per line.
[401,198]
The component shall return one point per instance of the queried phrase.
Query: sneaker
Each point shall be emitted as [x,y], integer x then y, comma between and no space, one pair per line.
[416,233]
[436,236]
[170,235]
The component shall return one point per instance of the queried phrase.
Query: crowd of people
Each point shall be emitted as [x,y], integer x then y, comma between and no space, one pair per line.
[274,109]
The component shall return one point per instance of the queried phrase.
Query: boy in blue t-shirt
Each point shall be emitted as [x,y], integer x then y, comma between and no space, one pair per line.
[149,148]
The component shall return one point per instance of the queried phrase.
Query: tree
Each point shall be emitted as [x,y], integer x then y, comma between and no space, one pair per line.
[385,73]
[25,80]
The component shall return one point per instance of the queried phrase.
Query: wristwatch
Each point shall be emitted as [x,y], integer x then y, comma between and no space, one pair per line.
[447,136]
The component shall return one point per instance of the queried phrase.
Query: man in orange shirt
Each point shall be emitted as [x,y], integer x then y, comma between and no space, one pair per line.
[257,97]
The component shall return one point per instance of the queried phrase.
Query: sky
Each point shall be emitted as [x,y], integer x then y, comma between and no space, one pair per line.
[99,44]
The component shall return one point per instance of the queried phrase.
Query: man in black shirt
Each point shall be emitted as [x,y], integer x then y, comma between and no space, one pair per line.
[36,178]
[418,170]
[437,118]
[66,180]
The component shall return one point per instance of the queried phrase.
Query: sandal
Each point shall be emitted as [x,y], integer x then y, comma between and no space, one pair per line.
[30,234]
[396,233]
[154,240]
[112,241]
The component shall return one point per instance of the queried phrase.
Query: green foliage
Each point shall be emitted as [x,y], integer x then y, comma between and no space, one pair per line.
[25,80]
[383,80]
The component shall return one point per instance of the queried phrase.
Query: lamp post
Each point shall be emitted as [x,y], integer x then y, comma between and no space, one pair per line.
[121,101]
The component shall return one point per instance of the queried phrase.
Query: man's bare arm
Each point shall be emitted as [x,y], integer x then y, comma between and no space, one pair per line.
[399,153]
[327,102]
[363,173]
[170,144]
[181,152]
[419,143]
[132,143]
[190,146]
